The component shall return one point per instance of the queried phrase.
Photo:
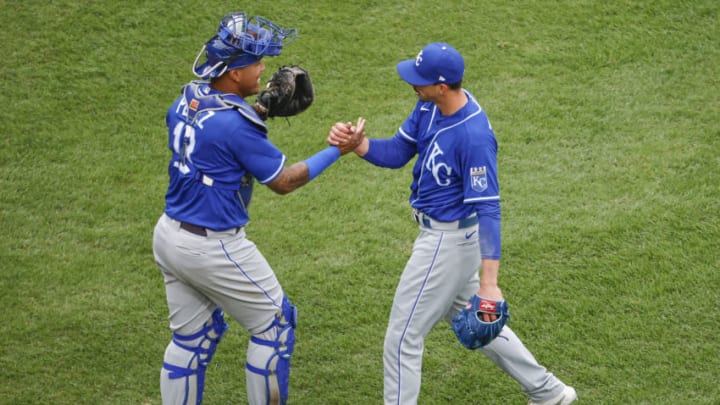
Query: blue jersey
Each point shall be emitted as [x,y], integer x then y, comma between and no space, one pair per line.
[456,170]
[219,145]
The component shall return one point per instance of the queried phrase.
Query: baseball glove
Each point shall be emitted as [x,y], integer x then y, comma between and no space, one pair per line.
[289,92]
[469,327]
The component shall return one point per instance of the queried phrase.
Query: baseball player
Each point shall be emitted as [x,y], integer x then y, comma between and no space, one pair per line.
[456,202]
[219,146]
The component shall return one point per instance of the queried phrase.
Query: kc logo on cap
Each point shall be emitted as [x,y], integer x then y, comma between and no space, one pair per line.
[437,62]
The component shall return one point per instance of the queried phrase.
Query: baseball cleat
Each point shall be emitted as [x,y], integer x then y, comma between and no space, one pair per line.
[568,396]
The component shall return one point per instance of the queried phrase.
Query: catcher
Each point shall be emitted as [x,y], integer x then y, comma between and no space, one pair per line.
[219,147]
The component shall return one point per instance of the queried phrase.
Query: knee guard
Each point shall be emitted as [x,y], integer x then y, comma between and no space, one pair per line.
[202,346]
[277,366]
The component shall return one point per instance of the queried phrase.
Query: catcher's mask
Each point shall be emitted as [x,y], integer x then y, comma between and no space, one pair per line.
[241,41]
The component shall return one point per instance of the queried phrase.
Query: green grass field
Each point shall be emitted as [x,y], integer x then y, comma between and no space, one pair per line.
[608,120]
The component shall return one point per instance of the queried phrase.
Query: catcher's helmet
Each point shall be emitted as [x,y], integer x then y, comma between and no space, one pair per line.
[241,41]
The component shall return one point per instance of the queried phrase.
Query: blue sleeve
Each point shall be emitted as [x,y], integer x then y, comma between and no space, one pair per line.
[322,160]
[392,153]
[489,229]
[480,163]
[257,154]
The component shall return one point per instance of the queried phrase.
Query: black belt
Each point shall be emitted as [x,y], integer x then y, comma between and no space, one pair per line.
[197,230]
[200,231]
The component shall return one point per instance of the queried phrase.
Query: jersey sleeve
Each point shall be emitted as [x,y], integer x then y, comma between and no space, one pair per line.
[391,153]
[482,192]
[395,152]
[260,157]
[481,187]
[481,175]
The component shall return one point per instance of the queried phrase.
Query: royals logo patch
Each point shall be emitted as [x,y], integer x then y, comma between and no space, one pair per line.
[478,177]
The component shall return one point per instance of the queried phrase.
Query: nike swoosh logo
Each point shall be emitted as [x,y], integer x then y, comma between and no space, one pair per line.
[423,108]
[469,235]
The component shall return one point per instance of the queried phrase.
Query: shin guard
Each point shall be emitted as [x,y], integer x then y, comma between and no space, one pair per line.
[279,342]
[187,358]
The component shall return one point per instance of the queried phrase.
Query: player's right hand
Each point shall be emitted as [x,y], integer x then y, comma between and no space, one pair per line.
[346,136]
[340,133]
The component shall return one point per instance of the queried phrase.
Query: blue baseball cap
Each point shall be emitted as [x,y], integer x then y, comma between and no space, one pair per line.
[437,63]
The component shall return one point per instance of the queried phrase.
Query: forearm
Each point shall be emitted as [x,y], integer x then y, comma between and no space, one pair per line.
[391,153]
[489,235]
[489,273]
[489,288]
[293,177]
[290,178]
[490,247]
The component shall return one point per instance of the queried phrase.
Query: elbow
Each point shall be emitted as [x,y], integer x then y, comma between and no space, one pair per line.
[281,188]
[284,191]
[290,179]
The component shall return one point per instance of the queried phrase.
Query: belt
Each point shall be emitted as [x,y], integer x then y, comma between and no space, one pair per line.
[197,230]
[200,231]
[431,223]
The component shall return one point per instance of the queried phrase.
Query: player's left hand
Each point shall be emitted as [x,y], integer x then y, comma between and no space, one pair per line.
[289,92]
[470,327]
[491,293]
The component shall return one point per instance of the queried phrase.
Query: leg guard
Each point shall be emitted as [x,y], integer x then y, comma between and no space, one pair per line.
[182,379]
[270,351]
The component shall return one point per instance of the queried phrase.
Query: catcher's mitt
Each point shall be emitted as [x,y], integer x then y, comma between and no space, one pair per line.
[469,327]
[289,92]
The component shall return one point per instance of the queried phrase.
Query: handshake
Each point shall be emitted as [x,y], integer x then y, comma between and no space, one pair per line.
[348,137]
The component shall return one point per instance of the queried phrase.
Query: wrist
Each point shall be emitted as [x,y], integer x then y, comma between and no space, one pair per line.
[362,149]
